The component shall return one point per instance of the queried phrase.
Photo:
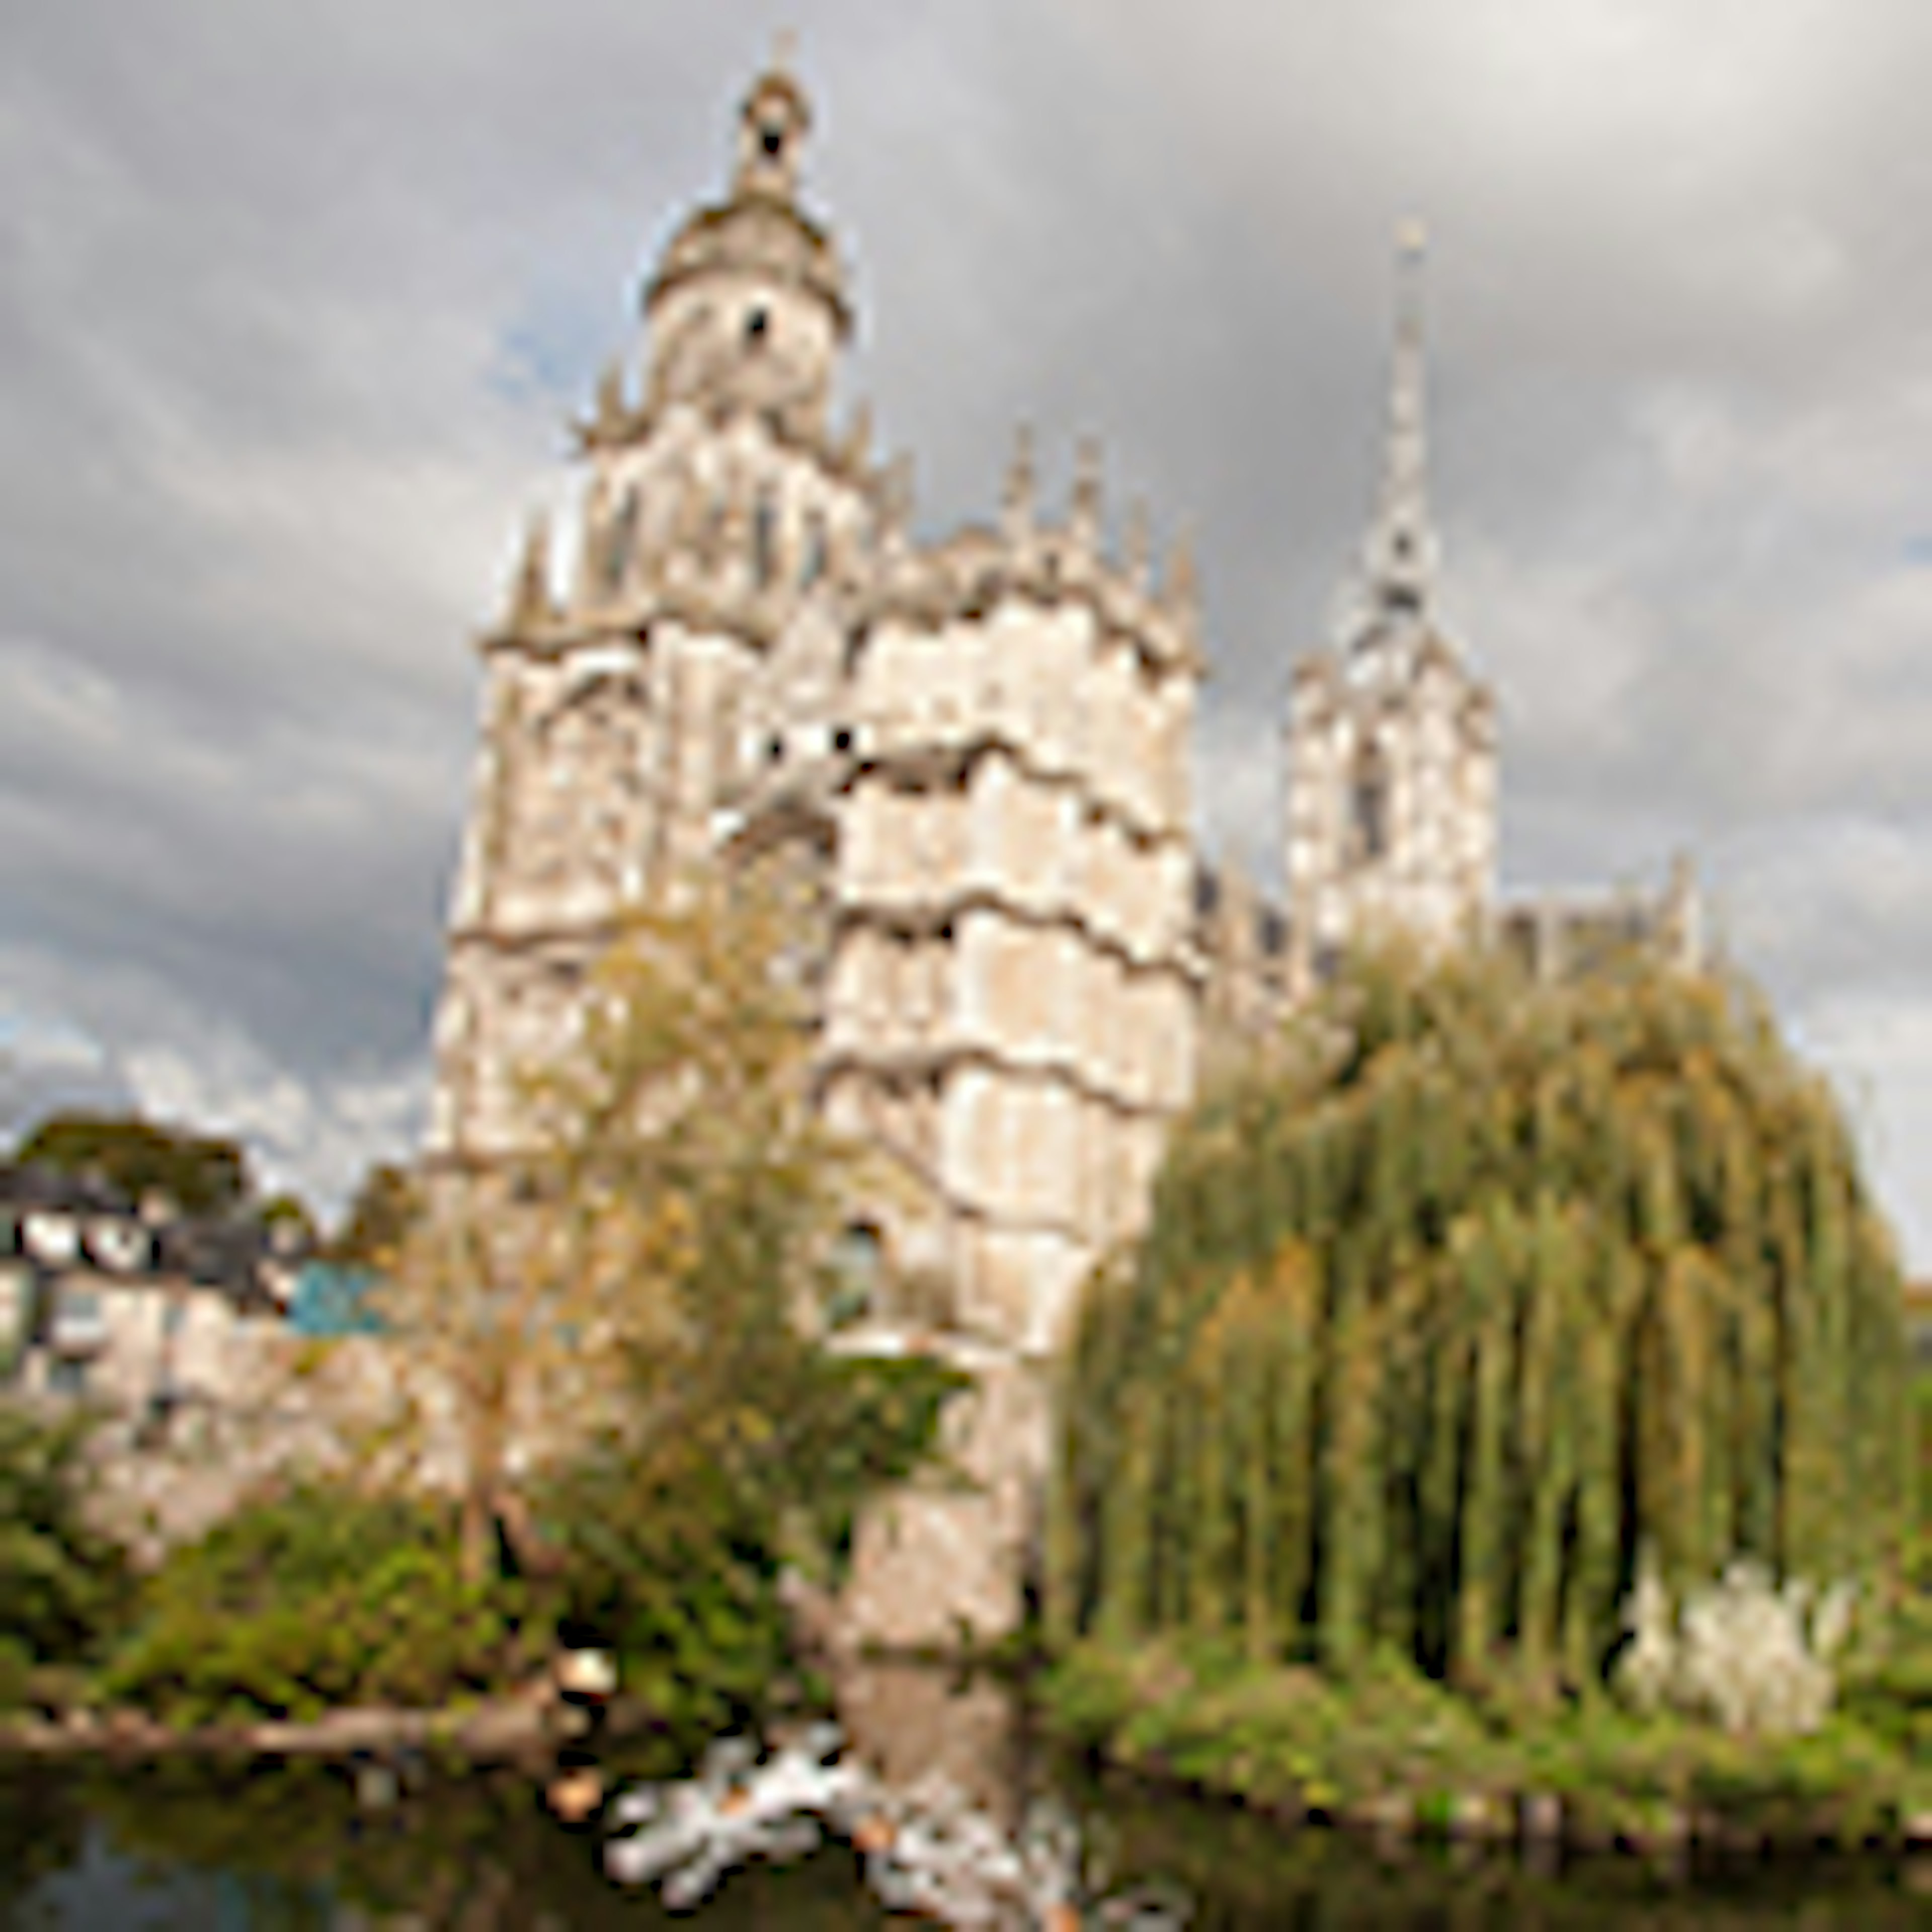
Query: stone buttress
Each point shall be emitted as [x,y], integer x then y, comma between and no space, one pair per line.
[1009,1011]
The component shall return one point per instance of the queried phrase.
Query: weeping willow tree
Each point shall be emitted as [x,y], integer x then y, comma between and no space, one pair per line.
[1477,1287]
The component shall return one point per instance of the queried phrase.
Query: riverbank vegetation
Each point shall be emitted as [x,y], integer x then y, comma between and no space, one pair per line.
[1385,1745]
[1469,1301]
[66,1589]
[321,1593]
[1475,1293]
[607,1326]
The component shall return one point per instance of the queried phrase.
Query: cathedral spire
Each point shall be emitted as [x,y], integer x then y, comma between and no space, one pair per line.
[529,605]
[1017,500]
[1398,558]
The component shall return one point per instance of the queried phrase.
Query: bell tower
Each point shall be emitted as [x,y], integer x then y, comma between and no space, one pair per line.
[719,534]
[1391,737]
[747,307]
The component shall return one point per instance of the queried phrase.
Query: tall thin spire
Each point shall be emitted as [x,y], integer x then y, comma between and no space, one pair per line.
[1398,559]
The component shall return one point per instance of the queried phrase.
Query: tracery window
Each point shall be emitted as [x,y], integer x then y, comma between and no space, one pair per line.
[1369,806]
[622,541]
[764,539]
[814,566]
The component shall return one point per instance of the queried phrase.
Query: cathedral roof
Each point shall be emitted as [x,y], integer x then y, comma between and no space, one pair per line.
[760,236]
[759,228]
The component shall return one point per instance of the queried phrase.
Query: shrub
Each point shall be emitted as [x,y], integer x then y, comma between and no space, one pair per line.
[675,1547]
[320,1596]
[65,1587]
[1745,1656]
[16,1665]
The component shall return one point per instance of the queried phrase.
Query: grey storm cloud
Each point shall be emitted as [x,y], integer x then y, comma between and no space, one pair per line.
[297,303]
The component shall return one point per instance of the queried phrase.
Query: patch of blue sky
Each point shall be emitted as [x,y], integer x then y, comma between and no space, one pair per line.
[543,355]
[47,1041]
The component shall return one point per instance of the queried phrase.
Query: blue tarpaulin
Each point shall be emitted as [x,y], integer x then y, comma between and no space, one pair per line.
[332,1300]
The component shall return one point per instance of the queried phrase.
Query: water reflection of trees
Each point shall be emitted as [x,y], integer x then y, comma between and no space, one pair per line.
[1247,1872]
[474,1852]
[41,1827]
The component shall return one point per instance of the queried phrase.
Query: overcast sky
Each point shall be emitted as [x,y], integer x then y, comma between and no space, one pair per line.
[294,302]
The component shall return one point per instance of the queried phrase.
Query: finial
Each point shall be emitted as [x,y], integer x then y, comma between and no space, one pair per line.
[896,494]
[1135,547]
[858,436]
[1084,508]
[1180,587]
[530,592]
[1018,499]
[1684,912]
[610,396]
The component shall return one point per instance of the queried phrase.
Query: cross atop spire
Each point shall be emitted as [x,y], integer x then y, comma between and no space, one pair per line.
[1398,558]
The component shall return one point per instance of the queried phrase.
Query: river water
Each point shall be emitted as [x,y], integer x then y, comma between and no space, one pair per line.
[184,1845]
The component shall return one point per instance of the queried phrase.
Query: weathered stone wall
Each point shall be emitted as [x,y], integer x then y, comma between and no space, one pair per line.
[267,1403]
[946,1554]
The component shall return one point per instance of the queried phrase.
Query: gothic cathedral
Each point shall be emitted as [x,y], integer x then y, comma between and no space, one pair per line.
[978,753]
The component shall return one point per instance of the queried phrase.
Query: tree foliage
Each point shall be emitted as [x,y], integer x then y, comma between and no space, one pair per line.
[1476,1285]
[291,1212]
[376,1219]
[64,1586]
[637,1261]
[317,1596]
[201,1174]
[672,1541]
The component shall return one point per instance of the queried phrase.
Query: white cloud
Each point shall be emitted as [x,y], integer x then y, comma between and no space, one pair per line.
[1877,1046]
[79,1033]
[317,1138]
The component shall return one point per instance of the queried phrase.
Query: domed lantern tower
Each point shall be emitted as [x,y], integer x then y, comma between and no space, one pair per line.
[693,651]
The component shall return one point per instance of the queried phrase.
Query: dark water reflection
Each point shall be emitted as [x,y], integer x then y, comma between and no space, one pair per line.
[242,1848]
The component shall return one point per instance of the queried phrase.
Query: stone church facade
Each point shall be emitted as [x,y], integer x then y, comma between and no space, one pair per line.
[977,755]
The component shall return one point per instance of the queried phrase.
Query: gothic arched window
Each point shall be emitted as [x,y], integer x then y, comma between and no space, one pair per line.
[622,542]
[764,540]
[858,1271]
[814,566]
[1369,806]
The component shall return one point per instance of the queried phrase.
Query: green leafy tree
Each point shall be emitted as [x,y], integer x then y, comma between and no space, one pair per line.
[290,1212]
[674,1540]
[1473,1287]
[201,1174]
[376,1219]
[64,1586]
[639,1261]
[317,1595]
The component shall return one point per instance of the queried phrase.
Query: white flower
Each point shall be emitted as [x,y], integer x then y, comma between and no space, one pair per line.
[1741,1655]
